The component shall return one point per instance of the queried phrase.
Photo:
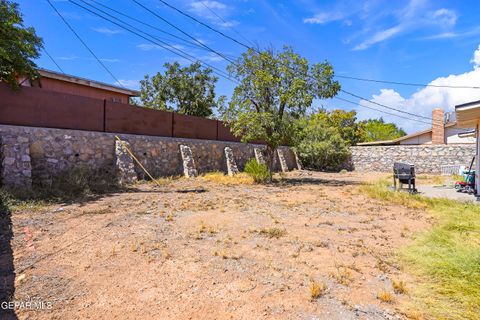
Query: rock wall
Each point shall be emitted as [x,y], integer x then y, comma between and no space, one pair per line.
[426,158]
[52,151]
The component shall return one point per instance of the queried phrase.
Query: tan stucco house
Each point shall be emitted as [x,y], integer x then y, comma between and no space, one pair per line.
[444,130]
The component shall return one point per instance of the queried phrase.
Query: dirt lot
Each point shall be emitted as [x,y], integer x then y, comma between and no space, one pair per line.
[195,249]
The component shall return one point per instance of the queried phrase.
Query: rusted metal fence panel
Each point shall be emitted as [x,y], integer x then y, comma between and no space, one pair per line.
[125,118]
[194,127]
[224,133]
[35,107]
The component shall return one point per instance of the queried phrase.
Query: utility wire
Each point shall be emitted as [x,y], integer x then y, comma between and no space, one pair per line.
[185,41]
[382,105]
[203,24]
[386,112]
[185,33]
[158,41]
[84,44]
[407,83]
[53,60]
[248,47]
[226,23]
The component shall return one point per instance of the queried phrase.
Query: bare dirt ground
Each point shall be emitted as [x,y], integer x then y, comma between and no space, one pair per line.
[194,249]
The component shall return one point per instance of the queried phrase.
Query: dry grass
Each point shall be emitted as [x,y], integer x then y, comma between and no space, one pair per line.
[219,177]
[273,232]
[385,296]
[399,287]
[445,258]
[317,289]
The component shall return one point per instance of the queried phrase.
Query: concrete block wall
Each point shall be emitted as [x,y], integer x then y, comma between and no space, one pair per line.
[52,151]
[426,158]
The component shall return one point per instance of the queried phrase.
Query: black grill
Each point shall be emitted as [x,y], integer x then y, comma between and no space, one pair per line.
[405,174]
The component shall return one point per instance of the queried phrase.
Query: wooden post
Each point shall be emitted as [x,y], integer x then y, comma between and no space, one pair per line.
[477,164]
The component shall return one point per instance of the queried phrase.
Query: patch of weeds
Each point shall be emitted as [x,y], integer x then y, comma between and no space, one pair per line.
[257,171]
[414,315]
[445,258]
[317,289]
[399,287]
[221,178]
[385,296]
[273,232]
[169,217]
[342,275]
[76,183]
[321,244]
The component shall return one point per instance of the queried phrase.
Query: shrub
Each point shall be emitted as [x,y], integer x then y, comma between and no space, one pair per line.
[77,183]
[320,146]
[258,171]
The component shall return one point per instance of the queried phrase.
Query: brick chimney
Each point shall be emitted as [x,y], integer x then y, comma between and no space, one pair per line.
[438,126]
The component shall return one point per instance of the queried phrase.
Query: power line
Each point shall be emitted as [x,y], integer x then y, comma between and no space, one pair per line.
[158,41]
[352,94]
[187,42]
[407,83]
[53,60]
[392,114]
[203,24]
[84,44]
[382,105]
[226,23]
[185,33]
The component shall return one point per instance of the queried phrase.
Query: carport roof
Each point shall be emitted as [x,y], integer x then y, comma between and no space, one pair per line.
[468,114]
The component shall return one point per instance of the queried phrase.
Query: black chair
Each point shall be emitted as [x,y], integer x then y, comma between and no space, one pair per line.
[405,173]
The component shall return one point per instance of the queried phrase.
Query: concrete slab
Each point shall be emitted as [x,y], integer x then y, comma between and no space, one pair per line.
[447,192]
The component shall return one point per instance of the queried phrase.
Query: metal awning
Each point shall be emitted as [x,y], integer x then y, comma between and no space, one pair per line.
[468,114]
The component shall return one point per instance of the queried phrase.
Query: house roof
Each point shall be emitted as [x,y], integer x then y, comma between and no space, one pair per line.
[408,136]
[87,82]
[468,114]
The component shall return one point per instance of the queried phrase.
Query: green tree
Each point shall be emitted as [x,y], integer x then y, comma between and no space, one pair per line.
[379,130]
[187,90]
[346,123]
[274,89]
[320,145]
[18,46]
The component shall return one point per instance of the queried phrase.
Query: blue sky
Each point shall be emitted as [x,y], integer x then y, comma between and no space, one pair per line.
[417,41]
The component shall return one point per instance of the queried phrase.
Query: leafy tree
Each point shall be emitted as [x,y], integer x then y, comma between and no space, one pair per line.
[379,130]
[274,89]
[320,145]
[345,122]
[18,45]
[187,90]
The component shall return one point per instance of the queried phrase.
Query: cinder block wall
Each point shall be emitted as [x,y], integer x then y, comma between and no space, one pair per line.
[55,150]
[426,158]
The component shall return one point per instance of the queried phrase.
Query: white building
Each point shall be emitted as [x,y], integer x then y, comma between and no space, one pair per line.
[444,130]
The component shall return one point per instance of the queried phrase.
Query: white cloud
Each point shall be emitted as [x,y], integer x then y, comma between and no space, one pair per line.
[200,7]
[68,58]
[324,17]
[106,31]
[150,46]
[453,34]
[109,60]
[132,84]
[444,16]
[425,100]
[379,37]
[476,59]
[214,11]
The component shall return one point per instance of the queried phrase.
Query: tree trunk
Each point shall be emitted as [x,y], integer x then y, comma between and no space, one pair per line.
[270,157]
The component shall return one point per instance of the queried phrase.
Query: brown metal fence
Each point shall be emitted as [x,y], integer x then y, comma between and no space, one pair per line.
[37,107]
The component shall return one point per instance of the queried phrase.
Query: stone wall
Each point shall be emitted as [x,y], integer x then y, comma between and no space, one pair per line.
[426,158]
[52,151]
